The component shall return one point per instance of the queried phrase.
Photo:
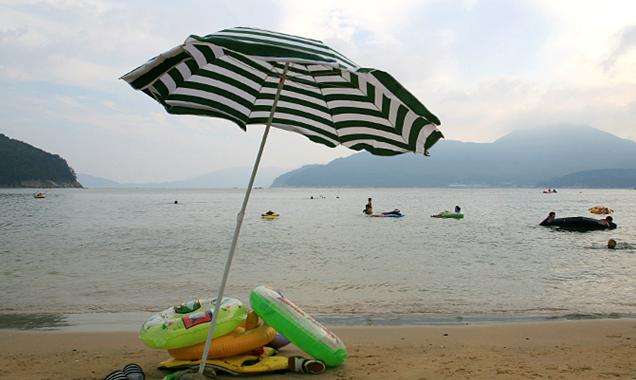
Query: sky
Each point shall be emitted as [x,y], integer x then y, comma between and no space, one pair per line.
[484,68]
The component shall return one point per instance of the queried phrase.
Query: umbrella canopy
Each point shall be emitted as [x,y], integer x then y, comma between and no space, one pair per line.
[254,76]
[233,74]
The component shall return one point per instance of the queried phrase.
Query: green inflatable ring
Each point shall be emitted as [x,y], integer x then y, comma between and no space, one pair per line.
[297,326]
[187,324]
[451,215]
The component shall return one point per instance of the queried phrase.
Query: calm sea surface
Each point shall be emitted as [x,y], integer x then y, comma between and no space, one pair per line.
[116,251]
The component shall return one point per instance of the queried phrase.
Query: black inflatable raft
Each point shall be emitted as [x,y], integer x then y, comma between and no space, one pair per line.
[579,223]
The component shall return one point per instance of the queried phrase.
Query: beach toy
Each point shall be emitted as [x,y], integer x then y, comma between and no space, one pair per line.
[601,210]
[187,324]
[580,223]
[449,215]
[386,215]
[297,326]
[270,215]
[260,361]
[237,342]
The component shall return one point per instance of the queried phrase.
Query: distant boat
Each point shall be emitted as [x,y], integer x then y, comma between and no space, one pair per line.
[39,196]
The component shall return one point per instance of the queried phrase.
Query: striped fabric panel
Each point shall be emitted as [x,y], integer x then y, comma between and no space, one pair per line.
[233,74]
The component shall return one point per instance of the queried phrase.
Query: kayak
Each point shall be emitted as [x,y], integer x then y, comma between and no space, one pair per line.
[579,223]
[449,215]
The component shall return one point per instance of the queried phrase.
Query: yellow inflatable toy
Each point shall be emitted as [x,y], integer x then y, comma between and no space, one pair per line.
[601,210]
[261,361]
[270,215]
[252,363]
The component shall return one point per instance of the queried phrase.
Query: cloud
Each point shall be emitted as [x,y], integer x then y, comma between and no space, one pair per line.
[483,67]
[626,44]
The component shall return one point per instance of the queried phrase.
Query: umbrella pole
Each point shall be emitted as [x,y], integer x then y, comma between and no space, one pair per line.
[239,223]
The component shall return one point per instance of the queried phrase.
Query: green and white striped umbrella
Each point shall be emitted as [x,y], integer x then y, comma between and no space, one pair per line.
[233,74]
[253,76]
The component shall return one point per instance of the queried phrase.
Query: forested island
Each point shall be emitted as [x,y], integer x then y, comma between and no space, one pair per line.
[23,165]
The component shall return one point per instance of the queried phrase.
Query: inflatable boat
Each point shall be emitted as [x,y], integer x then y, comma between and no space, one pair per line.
[448,215]
[579,223]
[388,214]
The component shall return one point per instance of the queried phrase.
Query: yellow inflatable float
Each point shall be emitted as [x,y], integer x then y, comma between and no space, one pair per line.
[270,215]
[259,362]
[601,210]
[247,364]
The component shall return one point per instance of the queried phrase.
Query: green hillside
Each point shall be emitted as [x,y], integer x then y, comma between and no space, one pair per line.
[23,165]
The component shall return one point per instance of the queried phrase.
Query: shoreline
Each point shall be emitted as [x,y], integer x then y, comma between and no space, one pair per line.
[131,321]
[588,349]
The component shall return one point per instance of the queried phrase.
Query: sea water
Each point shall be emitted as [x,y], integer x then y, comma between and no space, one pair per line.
[84,253]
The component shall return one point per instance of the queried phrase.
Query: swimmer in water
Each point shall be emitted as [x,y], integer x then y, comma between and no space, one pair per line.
[611,244]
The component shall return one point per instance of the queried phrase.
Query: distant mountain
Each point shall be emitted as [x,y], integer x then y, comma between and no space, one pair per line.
[604,178]
[225,178]
[90,181]
[23,165]
[521,158]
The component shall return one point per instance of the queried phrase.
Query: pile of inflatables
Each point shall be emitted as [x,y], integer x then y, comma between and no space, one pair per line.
[244,341]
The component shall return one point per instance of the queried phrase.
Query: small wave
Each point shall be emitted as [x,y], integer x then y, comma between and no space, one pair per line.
[580,316]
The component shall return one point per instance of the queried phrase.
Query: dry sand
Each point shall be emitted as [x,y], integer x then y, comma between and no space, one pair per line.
[596,349]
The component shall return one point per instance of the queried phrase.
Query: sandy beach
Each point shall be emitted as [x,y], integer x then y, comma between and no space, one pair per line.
[592,349]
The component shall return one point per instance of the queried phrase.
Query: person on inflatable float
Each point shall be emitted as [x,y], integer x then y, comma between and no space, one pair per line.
[547,221]
[608,221]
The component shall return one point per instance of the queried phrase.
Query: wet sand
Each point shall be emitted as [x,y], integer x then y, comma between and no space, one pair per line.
[595,349]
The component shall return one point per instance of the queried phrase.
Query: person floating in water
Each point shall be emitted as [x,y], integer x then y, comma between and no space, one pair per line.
[457,209]
[611,244]
[394,212]
[547,221]
[175,202]
[368,209]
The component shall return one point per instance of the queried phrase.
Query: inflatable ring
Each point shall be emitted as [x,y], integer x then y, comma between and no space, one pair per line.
[187,324]
[600,210]
[237,342]
[270,216]
[297,326]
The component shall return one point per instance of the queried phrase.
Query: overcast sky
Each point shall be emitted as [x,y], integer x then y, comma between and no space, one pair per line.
[483,67]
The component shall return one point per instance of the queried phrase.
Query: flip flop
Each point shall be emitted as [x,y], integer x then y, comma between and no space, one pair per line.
[133,371]
[116,375]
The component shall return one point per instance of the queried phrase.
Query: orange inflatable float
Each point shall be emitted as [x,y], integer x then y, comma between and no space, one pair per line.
[237,342]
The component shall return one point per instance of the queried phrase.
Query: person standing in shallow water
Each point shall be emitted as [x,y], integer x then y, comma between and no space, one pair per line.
[368,209]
